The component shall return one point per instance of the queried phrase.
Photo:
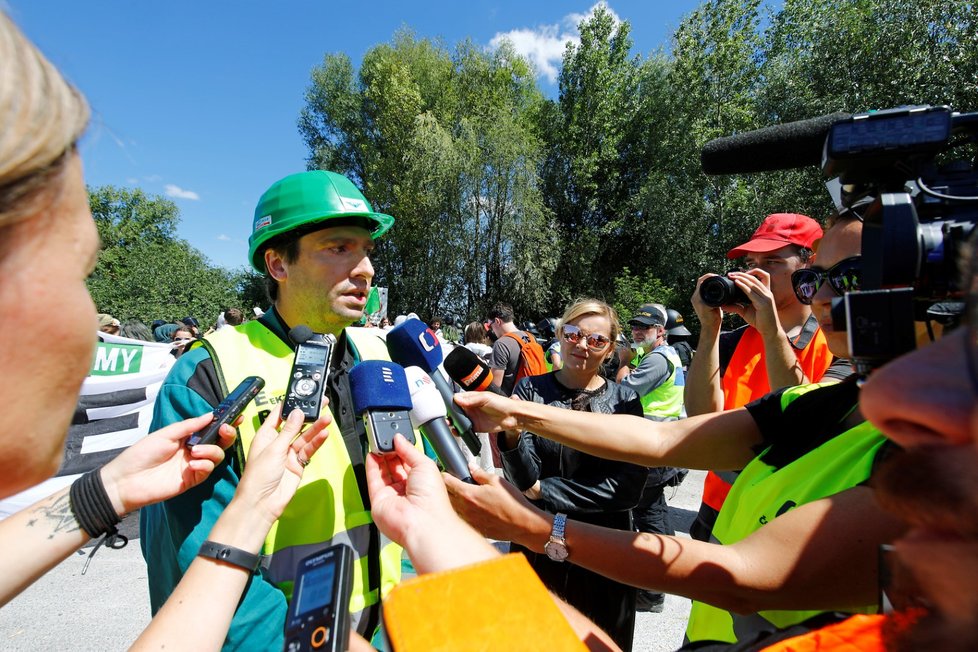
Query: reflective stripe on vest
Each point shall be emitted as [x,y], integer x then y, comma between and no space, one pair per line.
[762,493]
[666,400]
[327,507]
[745,380]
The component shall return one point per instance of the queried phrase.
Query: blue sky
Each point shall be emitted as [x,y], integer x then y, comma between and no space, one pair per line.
[198,100]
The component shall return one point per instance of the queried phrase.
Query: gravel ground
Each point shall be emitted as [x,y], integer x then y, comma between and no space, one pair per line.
[108,607]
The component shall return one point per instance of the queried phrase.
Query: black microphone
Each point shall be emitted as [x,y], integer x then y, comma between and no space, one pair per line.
[428,415]
[412,344]
[470,371]
[779,147]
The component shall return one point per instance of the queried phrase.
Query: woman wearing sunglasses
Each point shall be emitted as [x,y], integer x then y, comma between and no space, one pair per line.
[565,481]
[800,530]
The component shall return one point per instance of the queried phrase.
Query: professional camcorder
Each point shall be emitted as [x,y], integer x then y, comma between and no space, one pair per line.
[897,169]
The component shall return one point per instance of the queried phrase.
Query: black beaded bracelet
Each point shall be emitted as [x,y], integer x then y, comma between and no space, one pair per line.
[230,554]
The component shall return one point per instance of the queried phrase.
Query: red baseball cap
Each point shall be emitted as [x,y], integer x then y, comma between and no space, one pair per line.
[778,230]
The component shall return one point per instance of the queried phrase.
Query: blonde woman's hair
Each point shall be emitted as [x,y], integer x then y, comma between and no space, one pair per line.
[42,117]
[585,307]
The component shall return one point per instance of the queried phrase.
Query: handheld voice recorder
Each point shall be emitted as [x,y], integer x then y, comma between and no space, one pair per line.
[319,613]
[309,371]
[228,410]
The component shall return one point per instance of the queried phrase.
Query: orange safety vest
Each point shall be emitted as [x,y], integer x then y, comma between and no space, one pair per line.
[861,633]
[745,380]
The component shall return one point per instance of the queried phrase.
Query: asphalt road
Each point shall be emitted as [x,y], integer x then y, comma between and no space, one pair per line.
[108,607]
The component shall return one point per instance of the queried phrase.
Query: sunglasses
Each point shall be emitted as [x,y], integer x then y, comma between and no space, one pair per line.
[595,341]
[843,277]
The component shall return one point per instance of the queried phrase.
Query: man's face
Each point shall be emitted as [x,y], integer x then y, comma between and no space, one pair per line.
[326,287]
[925,402]
[647,336]
[779,263]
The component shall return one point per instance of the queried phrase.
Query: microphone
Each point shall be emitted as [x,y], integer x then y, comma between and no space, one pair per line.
[779,147]
[382,397]
[412,344]
[470,371]
[428,416]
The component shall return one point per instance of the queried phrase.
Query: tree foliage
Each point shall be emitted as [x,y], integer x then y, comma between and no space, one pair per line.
[500,193]
[144,271]
[447,143]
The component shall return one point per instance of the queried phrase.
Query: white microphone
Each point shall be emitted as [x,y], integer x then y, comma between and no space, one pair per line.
[428,415]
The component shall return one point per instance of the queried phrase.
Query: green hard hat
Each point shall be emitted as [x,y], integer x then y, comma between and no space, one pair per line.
[307,198]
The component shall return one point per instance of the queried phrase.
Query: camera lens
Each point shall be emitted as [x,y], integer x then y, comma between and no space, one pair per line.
[718,291]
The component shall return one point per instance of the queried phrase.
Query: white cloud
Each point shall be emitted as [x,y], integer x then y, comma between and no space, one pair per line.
[132,181]
[224,237]
[544,45]
[178,192]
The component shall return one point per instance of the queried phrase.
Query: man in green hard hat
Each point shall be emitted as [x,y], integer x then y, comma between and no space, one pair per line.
[312,236]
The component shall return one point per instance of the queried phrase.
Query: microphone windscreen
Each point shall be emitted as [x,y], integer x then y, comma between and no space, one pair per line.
[300,333]
[379,385]
[425,397]
[412,344]
[779,147]
[468,370]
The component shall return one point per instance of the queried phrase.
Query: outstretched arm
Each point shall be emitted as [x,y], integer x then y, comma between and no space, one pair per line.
[721,441]
[409,504]
[155,468]
[821,555]
[275,464]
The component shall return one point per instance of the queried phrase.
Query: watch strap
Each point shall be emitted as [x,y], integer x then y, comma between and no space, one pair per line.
[231,555]
[557,531]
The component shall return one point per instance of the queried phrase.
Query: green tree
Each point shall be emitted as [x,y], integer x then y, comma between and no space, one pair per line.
[446,143]
[144,271]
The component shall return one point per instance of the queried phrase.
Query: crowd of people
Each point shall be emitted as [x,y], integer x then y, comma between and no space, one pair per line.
[813,469]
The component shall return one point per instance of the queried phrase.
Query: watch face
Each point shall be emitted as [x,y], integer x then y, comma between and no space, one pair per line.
[556,551]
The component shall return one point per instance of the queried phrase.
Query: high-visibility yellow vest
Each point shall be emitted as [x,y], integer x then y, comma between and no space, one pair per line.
[762,493]
[327,508]
[666,400]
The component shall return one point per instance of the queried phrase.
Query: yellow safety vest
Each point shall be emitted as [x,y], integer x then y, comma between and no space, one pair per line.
[666,400]
[762,493]
[327,508]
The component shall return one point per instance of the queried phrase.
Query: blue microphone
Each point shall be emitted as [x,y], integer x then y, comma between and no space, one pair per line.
[381,395]
[412,344]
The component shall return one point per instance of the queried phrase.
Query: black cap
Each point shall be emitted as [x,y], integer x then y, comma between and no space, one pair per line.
[650,314]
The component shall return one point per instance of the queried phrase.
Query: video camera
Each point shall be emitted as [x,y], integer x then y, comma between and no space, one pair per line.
[918,204]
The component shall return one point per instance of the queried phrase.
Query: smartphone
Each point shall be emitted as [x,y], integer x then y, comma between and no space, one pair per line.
[229,410]
[319,613]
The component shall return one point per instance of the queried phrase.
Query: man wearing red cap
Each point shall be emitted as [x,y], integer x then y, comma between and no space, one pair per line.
[781,344]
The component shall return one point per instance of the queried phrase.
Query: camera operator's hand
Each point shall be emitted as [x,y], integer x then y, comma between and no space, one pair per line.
[710,318]
[276,461]
[159,466]
[762,313]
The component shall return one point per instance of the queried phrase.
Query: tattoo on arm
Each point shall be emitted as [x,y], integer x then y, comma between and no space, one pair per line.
[56,515]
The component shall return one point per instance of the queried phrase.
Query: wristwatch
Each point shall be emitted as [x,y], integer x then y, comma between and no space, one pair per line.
[556,547]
